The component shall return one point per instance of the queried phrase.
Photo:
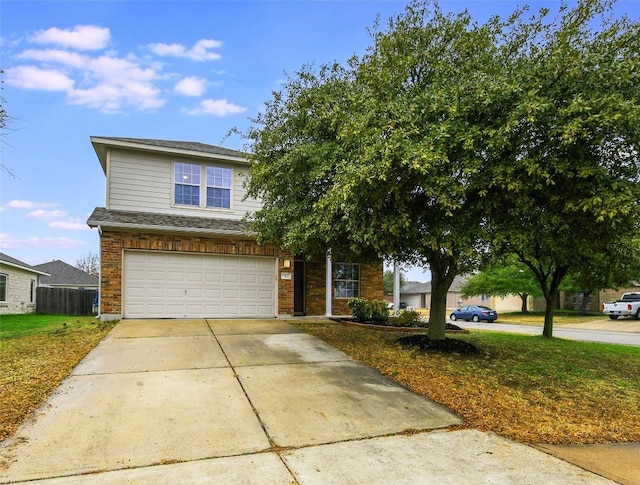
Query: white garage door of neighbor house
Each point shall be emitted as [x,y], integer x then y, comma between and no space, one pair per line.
[170,285]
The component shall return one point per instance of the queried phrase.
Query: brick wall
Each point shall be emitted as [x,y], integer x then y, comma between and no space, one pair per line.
[112,244]
[371,287]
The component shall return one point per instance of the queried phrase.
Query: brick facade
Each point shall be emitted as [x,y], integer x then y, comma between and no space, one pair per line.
[371,287]
[113,243]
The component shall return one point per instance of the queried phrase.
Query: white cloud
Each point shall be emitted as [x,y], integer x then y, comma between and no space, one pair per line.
[81,37]
[8,242]
[215,107]
[70,225]
[110,82]
[27,204]
[199,52]
[46,214]
[190,86]
[58,56]
[31,77]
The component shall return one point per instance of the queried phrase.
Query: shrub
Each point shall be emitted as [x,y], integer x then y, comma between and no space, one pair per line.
[368,310]
[379,311]
[359,310]
[410,318]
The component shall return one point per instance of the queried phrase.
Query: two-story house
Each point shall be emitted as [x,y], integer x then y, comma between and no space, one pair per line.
[173,243]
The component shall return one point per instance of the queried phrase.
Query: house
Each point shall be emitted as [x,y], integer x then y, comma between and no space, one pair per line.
[63,275]
[18,283]
[173,242]
[418,295]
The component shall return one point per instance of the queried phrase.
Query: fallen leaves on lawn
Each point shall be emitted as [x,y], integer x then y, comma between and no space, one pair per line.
[31,368]
[529,391]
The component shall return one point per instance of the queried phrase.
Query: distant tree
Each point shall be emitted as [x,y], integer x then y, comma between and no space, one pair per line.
[504,278]
[565,193]
[89,263]
[388,280]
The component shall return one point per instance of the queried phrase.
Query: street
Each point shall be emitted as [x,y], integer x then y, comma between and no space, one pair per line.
[605,332]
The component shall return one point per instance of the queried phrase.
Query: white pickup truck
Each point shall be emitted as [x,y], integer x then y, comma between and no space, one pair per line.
[627,306]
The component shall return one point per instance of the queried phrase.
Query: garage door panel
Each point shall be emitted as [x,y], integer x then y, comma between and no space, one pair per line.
[169,285]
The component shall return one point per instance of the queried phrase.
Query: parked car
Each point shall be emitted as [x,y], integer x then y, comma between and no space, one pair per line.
[627,306]
[475,313]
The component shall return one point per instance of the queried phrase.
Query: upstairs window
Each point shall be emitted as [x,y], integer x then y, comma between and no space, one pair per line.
[346,282]
[218,187]
[187,180]
[188,189]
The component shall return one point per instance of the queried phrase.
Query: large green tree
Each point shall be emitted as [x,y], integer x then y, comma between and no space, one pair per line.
[448,139]
[383,156]
[565,193]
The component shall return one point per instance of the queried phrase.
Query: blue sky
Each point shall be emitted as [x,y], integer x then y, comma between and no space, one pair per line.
[177,70]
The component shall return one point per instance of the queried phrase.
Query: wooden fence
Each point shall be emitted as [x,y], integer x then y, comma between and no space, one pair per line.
[65,301]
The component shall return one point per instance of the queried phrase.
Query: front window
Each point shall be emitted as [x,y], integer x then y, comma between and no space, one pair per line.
[187,180]
[33,291]
[3,287]
[188,189]
[346,280]
[218,187]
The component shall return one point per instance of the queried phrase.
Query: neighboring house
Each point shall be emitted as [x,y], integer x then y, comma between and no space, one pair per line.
[18,283]
[63,275]
[418,295]
[173,243]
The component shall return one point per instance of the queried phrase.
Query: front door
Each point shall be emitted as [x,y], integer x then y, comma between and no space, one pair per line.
[298,288]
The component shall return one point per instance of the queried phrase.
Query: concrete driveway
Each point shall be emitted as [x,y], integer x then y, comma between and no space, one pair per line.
[252,401]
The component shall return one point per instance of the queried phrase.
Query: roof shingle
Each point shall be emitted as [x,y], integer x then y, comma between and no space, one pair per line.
[166,222]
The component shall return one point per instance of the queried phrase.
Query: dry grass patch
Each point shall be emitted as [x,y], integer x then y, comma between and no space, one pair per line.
[36,355]
[529,389]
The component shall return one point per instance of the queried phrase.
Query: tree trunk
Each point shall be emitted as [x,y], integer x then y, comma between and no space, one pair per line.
[585,298]
[524,297]
[551,299]
[441,278]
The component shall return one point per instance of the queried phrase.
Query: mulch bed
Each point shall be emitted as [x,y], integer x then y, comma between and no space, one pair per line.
[450,327]
[447,345]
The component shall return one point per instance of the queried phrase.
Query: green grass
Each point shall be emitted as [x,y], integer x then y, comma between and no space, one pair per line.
[527,388]
[12,326]
[560,317]
[36,353]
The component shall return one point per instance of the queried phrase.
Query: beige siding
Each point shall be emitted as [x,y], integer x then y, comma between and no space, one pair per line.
[18,291]
[144,182]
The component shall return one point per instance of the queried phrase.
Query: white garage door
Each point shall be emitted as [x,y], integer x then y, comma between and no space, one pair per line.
[169,285]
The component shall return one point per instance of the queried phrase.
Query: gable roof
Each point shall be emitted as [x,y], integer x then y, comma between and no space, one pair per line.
[189,148]
[416,288]
[62,273]
[166,222]
[16,263]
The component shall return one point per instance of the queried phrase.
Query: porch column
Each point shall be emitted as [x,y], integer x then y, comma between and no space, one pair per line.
[328,284]
[396,288]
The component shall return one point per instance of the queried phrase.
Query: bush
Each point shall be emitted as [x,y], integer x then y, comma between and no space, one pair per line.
[409,318]
[359,309]
[368,310]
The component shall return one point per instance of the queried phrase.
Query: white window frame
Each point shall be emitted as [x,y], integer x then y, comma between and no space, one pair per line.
[203,186]
[6,288]
[336,281]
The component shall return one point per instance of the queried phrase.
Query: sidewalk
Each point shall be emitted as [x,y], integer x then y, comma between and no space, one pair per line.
[253,401]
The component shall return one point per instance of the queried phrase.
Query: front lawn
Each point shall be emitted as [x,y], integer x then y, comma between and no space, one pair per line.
[37,352]
[560,317]
[526,388]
